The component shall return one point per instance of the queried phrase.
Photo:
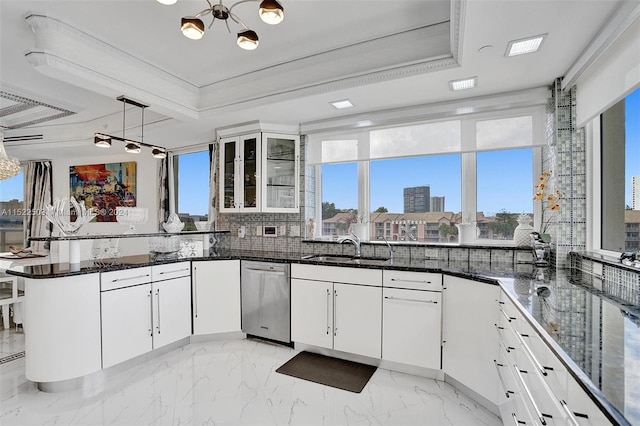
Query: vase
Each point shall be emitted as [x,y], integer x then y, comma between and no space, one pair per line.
[521,236]
[541,250]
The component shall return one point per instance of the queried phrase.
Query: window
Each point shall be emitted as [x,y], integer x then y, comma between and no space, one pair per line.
[620,204]
[11,212]
[505,183]
[191,174]
[415,193]
[339,197]
[422,179]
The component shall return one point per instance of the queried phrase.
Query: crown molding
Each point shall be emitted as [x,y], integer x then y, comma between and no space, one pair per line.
[76,57]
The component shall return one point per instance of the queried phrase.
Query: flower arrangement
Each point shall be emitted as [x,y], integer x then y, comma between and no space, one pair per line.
[550,203]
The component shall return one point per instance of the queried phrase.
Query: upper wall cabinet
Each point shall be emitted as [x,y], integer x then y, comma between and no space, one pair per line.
[259,173]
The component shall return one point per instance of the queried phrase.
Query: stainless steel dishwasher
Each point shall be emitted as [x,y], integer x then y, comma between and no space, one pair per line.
[266,300]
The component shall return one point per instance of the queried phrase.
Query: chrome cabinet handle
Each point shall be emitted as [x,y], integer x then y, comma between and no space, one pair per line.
[150,314]
[504,314]
[515,419]
[411,281]
[506,391]
[410,300]
[158,295]
[195,292]
[129,278]
[328,302]
[173,271]
[529,395]
[571,416]
[531,356]
[335,312]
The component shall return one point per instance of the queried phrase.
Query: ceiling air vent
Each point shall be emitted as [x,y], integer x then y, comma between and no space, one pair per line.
[19,111]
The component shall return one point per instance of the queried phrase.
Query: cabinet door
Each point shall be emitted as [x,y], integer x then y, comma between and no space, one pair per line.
[312,312]
[280,159]
[171,311]
[249,173]
[126,323]
[216,296]
[229,148]
[470,341]
[357,326]
[411,327]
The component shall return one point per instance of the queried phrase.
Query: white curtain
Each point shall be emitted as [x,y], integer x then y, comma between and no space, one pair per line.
[37,194]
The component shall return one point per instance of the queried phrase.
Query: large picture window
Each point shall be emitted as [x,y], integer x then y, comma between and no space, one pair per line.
[339,198]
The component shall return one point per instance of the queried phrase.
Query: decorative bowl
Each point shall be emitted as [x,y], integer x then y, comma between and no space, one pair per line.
[202,225]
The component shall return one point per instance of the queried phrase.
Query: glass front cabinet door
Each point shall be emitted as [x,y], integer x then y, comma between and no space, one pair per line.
[240,174]
[259,172]
[280,165]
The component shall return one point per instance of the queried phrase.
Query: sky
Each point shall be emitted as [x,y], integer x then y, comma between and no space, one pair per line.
[504,177]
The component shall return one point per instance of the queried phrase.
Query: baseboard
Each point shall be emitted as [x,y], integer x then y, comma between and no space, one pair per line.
[214,337]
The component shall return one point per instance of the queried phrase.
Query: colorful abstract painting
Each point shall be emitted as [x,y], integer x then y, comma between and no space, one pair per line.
[104,187]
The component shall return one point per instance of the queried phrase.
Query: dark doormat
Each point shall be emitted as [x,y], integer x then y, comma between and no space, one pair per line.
[334,372]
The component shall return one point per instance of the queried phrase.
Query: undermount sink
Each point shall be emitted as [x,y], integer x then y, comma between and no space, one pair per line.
[346,259]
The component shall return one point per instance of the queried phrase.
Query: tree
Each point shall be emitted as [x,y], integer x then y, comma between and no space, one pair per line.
[381,209]
[329,210]
[505,224]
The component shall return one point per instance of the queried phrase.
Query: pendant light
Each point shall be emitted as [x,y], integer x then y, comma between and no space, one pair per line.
[270,12]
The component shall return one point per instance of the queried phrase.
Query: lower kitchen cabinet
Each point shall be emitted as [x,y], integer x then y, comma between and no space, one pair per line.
[470,341]
[411,327]
[138,317]
[216,296]
[341,316]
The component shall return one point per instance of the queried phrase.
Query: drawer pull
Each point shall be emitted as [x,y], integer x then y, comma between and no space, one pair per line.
[506,391]
[516,421]
[411,281]
[173,271]
[529,395]
[129,278]
[401,299]
[570,415]
[507,317]
[531,356]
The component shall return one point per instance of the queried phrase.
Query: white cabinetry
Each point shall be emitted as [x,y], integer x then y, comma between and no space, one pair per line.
[337,308]
[216,296]
[412,318]
[470,342]
[536,387]
[259,173]
[139,314]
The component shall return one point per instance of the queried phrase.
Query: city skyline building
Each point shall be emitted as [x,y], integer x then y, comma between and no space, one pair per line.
[417,199]
[635,192]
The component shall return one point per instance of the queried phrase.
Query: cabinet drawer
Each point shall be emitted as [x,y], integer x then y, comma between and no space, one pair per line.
[170,270]
[337,274]
[124,278]
[412,280]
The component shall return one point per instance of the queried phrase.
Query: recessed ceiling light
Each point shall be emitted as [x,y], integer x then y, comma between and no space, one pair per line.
[465,83]
[345,103]
[525,45]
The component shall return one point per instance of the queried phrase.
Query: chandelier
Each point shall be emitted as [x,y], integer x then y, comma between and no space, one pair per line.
[9,166]
[102,140]
[270,11]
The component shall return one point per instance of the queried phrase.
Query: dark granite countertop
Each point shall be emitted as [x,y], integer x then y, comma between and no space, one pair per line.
[595,335]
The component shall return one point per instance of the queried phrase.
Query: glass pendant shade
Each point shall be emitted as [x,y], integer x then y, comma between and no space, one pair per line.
[132,148]
[101,141]
[248,39]
[167,2]
[271,12]
[158,153]
[192,27]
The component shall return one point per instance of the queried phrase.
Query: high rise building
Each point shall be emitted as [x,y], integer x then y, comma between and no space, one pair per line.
[635,192]
[437,204]
[417,199]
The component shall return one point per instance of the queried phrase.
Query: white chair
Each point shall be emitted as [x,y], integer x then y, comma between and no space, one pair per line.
[10,295]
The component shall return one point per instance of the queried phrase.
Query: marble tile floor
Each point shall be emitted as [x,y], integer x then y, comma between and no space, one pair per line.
[11,341]
[234,383]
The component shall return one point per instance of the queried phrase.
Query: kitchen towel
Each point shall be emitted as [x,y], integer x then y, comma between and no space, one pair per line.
[338,373]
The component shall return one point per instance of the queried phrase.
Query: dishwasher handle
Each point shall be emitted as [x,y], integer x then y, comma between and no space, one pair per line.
[266,271]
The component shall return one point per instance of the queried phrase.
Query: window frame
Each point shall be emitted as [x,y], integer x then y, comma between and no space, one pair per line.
[468,163]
